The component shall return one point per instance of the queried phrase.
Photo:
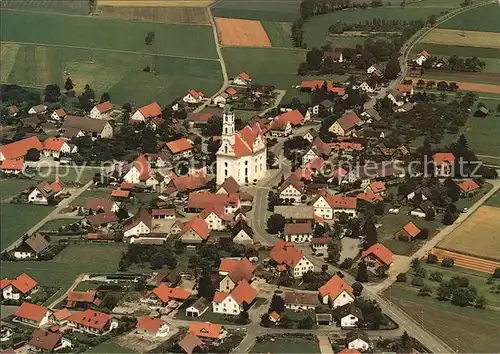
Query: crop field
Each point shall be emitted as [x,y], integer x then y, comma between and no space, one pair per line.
[19,218]
[74,7]
[463,38]
[265,10]
[478,235]
[484,18]
[244,33]
[266,65]
[279,33]
[338,41]
[482,77]
[165,14]
[154,3]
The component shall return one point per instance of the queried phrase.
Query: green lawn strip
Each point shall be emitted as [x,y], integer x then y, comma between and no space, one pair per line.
[17,219]
[68,173]
[104,193]
[286,345]
[482,133]
[484,18]
[468,202]
[279,33]
[110,346]
[181,40]
[494,200]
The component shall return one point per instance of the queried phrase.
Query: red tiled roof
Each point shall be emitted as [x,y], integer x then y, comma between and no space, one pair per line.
[44,340]
[81,296]
[468,185]
[320,240]
[17,165]
[189,343]
[24,283]
[243,293]
[338,201]
[149,324]
[349,351]
[56,186]
[60,112]
[285,253]
[231,91]
[379,251]
[198,225]
[311,84]
[229,265]
[31,311]
[334,287]
[118,193]
[151,110]
[321,147]
[104,107]
[274,315]
[302,173]
[378,186]
[19,148]
[346,146]
[443,157]
[349,121]
[179,145]
[199,117]
[316,164]
[298,228]
[165,293]
[90,318]
[370,197]
[196,94]
[244,76]
[206,330]
[187,183]
[201,200]
[405,88]
[98,203]
[158,212]
[301,298]
[217,209]
[53,144]
[424,53]
[412,229]
[293,117]
[127,186]
[62,314]
[4,283]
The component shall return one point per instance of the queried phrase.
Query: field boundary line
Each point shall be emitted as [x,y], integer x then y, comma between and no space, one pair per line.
[111,50]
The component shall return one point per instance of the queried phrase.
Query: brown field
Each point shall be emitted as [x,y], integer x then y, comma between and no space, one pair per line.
[154,3]
[463,38]
[244,33]
[464,86]
[478,235]
[165,14]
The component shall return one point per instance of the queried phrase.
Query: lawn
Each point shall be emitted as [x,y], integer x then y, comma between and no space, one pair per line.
[96,33]
[286,345]
[268,10]
[110,346]
[65,174]
[76,7]
[472,330]
[279,33]
[10,187]
[104,193]
[69,263]
[494,200]
[19,218]
[484,18]
[54,225]
[482,133]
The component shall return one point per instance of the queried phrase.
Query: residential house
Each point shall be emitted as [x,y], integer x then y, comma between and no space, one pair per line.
[405,108]
[317,149]
[405,89]
[45,192]
[31,247]
[144,113]
[6,332]
[422,193]
[324,319]
[301,301]
[21,287]
[408,232]
[298,232]
[198,308]
[139,172]
[199,120]
[348,315]
[326,106]
[92,322]
[376,187]
[423,209]
[294,117]
[18,149]
[55,147]
[215,216]
[468,187]
[195,231]
[320,243]
[368,86]
[102,111]
[422,57]
[75,127]
[154,327]
[443,164]
[163,214]
[330,207]
[290,259]
[280,128]
[42,341]
[374,69]
[208,332]
[193,96]
[233,271]
[12,167]
[32,315]
[13,111]
[200,200]
[189,343]
[82,299]
[336,292]
[336,57]
[58,115]
[292,190]
[377,255]
[371,114]
[140,223]
[180,148]
[224,97]
[274,317]
[30,123]
[397,98]
[238,300]
[162,295]
[95,205]
[38,109]
[241,232]
[345,125]
[357,339]
[243,79]
[60,317]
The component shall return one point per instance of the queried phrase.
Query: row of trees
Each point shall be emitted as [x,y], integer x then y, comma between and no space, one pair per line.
[455,63]
[374,25]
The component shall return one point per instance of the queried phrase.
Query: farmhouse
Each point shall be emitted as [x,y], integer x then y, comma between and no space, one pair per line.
[208,332]
[54,147]
[336,292]
[193,96]
[242,79]
[149,111]
[397,98]
[18,149]
[199,119]
[102,111]
[330,206]
[443,164]
[422,57]
[198,308]
[75,127]
[280,128]
[346,124]
[405,89]
[224,97]
[290,259]
[377,255]
[298,232]
[32,315]
[92,322]
[154,327]
[468,187]
[238,300]
[140,223]
[291,190]
[180,148]
[82,299]
[47,341]
[18,288]
[12,167]
[320,243]
[195,231]
[58,115]
[190,343]
[44,192]
[301,301]
[408,233]
[31,247]
[233,272]
[241,232]
[97,205]
[162,295]
[139,172]
[38,109]
[215,216]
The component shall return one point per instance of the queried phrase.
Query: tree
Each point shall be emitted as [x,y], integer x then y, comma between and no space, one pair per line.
[346,263]
[392,69]
[150,37]
[334,250]
[481,302]
[276,223]
[401,278]
[430,214]
[436,276]
[205,285]
[213,127]
[357,289]
[496,273]
[105,97]
[452,189]
[371,235]
[448,262]
[324,268]
[243,318]
[264,320]
[432,259]
[68,84]
[32,155]
[306,323]
[157,261]
[442,85]
[448,217]
[52,93]
[417,281]
[277,304]
[362,273]
[425,291]
[381,271]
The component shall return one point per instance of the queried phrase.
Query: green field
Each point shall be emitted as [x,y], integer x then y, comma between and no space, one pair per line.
[461,51]
[475,329]
[494,200]
[266,66]
[279,33]
[110,346]
[11,187]
[19,218]
[76,7]
[286,345]
[68,264]
[482,133]
[344,42]
[265,10]
[484,18]
[104,193]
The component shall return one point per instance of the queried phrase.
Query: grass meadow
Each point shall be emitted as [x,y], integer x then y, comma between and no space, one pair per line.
[73,7]
[484,18]
[482,133]
[286,345]
[279,33]
[265,10]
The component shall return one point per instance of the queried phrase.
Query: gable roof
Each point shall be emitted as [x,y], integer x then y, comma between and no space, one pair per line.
[142,215]
[230,185]
[44,340]
[357,334]
[241,224]
[151,110]
[198,225]
[379,251]
[31,311]
[37,243]
[231,91]
[84,124]
[298,228]
[237,270]
[206,330]
[301,298]
[411,229]
[201,304]
[337,201]
[285,253]
[242,293]
[104,107]
[370,197]
[404,88]
[201,200]
[81,296]
[349,121]
[20,148]
[293,181]
[244,76]
[293,117]
[164,293]
[190,342]
[149,323]
[468,185]
[12,165]
[179,145]
[62,314]
[378,186]
[53,144]
[443,157]
[196,94]
[24,283]
[98,204]
[199,117]
[424,53]
[334,287]
[90,318]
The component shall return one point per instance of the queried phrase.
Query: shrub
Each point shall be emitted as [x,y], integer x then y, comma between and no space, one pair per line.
[401,278]
[448,262]
[417,281]
[432,259]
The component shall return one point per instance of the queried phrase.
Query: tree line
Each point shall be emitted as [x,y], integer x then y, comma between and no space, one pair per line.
[374,25]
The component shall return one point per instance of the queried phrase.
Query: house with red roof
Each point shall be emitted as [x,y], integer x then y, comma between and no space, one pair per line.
[208,332]
[301,301]
[13,110]
[216,217]
[198,201]
[58,115]
[225,97]
[199,119]
[163,214]
[405,89]
[154,327]
[443,164]
[422,57]
[12,167]
[82,299]
[163,294]
[102,111]
[92,322]
[60,317]
[193,96]
[294,117]
[238,300]
[139,224]
[147,112]
[139,171]
[280,128]
[233,271]
[298,232]
[55,147]
[18,149]
[318,148]
[377,255]
[320,243]
[243,79]
[32,315]
[376,187]
[370,197]
[45,192]
[95,205]
[345,125]
[329,206]
[290,259]
[21,287]
[43,341]
[180,148]
[195,231]
[336,292]
[408,232]
[468,187]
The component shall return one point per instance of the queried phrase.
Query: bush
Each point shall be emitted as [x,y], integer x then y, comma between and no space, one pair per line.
[346,263]
[496,273]
[417,281]
[436,276]
[448,262]
[432,259]
[401,278]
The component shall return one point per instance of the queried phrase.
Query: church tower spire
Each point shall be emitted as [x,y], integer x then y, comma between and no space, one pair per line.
[228,125]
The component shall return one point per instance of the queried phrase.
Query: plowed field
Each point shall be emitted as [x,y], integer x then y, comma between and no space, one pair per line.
[242,33]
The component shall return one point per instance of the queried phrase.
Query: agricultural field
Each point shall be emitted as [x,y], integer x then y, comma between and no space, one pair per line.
[63,269]
[66,174]
[482,133]
[165,14]
[484,18]
[73,7]
[478,235]
[279,33]
[265,10]
[154,3]
[243,33]
[19,218]
[463,38]
[286,345]
[467,329]
[266,65]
